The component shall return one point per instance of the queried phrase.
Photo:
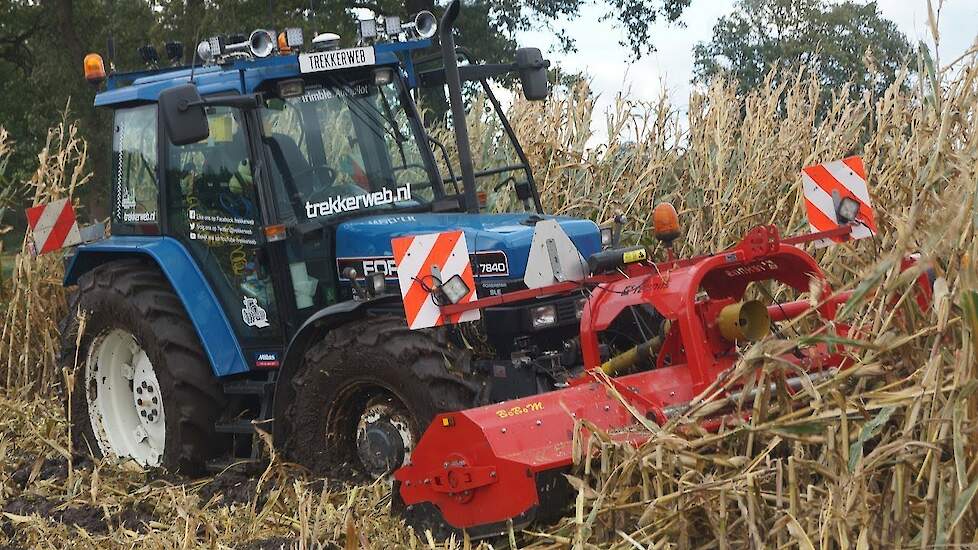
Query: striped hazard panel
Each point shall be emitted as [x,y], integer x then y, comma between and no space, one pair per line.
[53,226]
[419,258]
[834,187]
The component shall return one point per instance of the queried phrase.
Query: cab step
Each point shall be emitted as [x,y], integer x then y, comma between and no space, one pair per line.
[248,387]
[238,426]
[255,398]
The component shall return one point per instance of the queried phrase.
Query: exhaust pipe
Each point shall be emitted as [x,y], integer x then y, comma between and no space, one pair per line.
[454,83]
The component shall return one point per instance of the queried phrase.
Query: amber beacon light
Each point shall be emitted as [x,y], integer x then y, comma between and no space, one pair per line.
[94,69]
[666,223]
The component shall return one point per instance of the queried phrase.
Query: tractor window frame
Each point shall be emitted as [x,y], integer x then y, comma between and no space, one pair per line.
[129,223]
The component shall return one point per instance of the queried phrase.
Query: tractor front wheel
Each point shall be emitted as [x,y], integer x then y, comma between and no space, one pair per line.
[367,391]
[143,386]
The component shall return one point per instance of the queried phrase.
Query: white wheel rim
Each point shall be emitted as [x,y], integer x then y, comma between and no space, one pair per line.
[125,404]
[396,419]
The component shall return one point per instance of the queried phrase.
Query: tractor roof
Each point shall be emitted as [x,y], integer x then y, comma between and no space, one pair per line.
[240,76]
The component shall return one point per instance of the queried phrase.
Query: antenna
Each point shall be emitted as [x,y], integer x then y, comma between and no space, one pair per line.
[193,58]
[110,44]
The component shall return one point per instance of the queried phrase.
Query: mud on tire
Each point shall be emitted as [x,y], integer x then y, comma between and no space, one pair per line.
[133,295]
[356,362]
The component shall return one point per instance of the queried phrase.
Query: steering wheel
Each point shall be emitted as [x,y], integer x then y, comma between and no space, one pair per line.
[236,205]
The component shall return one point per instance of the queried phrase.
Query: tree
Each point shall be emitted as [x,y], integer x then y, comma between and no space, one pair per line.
[841,42]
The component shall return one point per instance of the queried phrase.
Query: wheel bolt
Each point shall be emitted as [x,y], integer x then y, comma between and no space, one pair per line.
[142,413]
[139,391]
[149,389]
[155,400]
[155,412]
[139,401]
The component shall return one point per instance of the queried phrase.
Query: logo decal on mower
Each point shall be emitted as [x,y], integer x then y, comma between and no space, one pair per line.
[253,314]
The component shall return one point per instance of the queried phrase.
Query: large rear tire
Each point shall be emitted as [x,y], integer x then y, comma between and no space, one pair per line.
[367,391]
[144,388]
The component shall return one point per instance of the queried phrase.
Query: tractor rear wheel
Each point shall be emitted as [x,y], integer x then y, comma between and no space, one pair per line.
[367,391]
[143,386]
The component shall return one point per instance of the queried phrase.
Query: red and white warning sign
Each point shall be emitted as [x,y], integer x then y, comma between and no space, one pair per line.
[419,259]
[834,192]
[53,226]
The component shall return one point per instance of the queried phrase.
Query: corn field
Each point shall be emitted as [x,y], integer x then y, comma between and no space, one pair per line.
[883,454]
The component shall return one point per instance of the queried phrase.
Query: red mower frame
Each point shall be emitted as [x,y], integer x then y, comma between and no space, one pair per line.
[480,466]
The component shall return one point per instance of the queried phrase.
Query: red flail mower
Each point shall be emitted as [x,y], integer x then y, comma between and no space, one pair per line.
[480,468]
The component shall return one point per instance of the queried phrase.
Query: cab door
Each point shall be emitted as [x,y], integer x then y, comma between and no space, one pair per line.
[213,208]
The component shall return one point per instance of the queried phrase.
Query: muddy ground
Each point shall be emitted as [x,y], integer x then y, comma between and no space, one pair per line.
[53,498]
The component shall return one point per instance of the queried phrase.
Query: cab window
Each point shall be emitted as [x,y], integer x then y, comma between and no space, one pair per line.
[134,169]
[344,146]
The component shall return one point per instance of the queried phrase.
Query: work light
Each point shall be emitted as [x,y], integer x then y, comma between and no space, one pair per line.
[149,54]
[383,76]
[368,29]
[216,44]
[392,26]
[293,37]
[204,51]
[174,51]
[848,209]
[455,289]
[291,88]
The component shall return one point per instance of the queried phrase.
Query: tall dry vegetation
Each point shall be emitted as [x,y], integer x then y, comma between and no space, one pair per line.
[34,303]
[884,453]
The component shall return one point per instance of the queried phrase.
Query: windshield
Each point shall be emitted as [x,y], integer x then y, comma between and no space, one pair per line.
[344,146]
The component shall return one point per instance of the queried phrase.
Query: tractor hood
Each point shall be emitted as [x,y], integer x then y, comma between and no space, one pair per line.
[499,243]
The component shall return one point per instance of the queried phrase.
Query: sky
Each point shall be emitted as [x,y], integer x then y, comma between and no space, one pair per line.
[670,68]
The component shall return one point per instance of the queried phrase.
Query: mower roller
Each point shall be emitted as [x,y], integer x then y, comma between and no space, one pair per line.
[485,466]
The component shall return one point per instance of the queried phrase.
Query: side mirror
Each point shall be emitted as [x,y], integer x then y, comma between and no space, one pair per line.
[183,114]
[533,73]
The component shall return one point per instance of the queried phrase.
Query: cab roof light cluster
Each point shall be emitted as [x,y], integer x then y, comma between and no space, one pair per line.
[260,43]
[391,28]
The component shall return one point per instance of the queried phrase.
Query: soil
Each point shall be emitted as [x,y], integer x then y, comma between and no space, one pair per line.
[52,468]
[85,516]
[236,485]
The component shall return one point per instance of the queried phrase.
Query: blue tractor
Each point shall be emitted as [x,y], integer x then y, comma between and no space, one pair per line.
[249,279]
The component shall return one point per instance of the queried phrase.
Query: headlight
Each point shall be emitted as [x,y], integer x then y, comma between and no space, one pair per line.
[579,307]
[543,316]
[607,236]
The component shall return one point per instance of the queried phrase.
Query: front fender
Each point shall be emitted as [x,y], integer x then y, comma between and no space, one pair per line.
[213,327]
[315,327]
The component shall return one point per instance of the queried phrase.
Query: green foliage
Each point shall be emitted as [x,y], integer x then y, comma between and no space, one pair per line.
[844,43]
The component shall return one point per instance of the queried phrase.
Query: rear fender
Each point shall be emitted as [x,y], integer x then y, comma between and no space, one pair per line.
[212,325]
[313,329]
